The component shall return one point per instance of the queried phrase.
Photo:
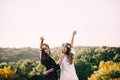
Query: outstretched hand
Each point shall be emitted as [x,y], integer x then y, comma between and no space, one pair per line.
[41,38]
[74,32]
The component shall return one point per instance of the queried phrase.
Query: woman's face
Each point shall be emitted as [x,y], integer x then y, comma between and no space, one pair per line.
[64,49]
[46,49]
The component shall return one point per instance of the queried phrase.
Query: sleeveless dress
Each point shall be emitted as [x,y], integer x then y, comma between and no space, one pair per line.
[68,70]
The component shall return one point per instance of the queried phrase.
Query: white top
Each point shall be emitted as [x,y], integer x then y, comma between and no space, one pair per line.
[67,70]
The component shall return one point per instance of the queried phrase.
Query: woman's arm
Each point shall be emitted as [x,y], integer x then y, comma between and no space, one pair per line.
[41,43]
[48,71]
[60,59]
[72,40]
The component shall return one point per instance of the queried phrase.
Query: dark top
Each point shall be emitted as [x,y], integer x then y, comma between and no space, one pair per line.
[49,63]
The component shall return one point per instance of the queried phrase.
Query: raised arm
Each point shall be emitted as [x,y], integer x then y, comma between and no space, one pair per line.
[41,43]
[72,40]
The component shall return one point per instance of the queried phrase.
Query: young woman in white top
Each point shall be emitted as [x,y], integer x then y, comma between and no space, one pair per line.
[66,61]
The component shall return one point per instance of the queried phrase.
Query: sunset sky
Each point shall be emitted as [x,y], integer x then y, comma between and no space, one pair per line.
[23,22]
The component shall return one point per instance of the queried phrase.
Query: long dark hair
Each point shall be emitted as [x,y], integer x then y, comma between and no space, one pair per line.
[44,54]
[69,54]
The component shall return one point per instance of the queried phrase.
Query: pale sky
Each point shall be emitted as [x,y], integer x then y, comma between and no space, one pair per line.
[23,22]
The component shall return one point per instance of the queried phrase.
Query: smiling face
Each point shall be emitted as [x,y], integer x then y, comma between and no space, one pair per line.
[46,49]
[64,48]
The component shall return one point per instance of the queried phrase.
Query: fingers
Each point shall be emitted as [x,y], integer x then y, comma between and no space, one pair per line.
[74,32]
[41,38]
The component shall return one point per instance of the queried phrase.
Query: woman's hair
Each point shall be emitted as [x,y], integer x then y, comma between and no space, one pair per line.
[44,54]
[68,52]
[44,46]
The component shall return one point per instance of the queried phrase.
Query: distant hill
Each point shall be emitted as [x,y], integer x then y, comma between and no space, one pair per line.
[15,54]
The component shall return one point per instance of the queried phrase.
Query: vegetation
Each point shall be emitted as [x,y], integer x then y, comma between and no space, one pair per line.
[7,73]
[107,71]
[91,63]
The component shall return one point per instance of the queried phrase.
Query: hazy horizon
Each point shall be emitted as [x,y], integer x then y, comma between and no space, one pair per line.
[23,22]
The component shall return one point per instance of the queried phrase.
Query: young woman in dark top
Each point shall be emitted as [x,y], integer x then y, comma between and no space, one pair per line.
[48,62]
